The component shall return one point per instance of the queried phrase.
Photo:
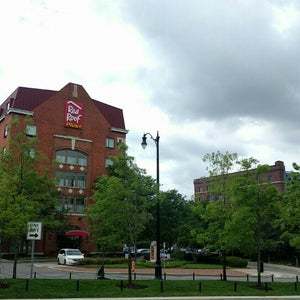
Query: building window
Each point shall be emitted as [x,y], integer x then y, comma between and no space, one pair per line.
[31,130]
[108,162]
[71,157]
[110,143]
[120,140]
[5,133]
[71,179]
[73,205]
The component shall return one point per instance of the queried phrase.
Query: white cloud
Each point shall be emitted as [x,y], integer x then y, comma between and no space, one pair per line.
[224,78]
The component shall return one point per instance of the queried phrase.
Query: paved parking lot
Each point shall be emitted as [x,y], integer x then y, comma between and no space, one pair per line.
[52,270]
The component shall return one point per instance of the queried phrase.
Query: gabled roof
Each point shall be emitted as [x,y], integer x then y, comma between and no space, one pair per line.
[28,99]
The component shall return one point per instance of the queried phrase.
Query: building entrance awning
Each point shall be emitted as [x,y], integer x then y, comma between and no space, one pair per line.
[77,233]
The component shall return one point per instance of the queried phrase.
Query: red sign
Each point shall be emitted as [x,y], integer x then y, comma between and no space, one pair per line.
[73,114]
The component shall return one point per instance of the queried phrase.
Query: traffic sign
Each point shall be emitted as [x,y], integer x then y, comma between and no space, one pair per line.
[34,231]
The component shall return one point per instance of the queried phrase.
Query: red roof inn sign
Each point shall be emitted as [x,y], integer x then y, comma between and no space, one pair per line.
[73,114]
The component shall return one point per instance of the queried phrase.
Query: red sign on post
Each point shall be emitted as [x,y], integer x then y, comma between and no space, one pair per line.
[73,115]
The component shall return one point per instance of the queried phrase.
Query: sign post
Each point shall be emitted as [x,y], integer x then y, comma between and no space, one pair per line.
[153,251]
[34,232]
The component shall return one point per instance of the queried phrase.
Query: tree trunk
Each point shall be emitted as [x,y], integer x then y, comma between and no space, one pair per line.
[15,261]
[258,268]
[224,265]
[129,268]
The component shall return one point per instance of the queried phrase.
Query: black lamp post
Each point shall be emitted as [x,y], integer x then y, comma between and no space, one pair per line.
[158,272]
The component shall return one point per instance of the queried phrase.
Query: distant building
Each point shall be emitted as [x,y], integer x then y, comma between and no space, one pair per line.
[276,175]
[76,131]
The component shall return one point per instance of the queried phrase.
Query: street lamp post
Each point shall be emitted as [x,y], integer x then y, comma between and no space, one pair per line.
[158,272]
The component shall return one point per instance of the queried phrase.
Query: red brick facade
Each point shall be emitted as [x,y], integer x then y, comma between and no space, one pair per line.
[99,122]
[276,175]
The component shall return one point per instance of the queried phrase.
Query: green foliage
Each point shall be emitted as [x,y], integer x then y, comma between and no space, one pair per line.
[104,260]
[236,262]
[252,226]
[216,213]
[175,219]
[26,192]
[220,163]
[119,213]
[290,210]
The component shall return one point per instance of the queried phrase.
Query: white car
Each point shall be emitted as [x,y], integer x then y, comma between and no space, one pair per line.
[69,257]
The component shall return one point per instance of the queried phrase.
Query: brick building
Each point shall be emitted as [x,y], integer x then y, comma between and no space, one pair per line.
[76,131]
[276,175]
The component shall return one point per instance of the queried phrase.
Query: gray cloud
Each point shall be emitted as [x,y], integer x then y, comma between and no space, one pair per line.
[220,59]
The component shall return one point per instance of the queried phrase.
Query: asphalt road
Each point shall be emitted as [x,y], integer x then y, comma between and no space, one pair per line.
[52,270]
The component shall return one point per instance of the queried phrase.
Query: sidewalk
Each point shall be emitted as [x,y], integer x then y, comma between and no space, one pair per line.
[150,271]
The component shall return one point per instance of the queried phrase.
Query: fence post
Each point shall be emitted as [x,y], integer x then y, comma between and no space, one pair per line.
[77,285]
[27,285]
[200,287]
[247,277]
[221,277]
[272,277]
[70,275]
[161,286]
[297,278]
[193,275]
[34,275]
[235,286]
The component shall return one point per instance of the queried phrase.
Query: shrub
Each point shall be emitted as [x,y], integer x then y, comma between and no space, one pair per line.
[236,262]
[106,260]
[232,261]
[178,255]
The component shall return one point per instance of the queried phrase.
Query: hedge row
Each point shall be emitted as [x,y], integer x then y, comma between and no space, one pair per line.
[232,261]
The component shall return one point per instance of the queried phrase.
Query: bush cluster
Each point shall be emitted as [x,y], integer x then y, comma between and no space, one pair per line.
[105,260]
[232,261]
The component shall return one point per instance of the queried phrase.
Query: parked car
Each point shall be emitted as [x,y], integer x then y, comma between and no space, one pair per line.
[69,256]
[143,253]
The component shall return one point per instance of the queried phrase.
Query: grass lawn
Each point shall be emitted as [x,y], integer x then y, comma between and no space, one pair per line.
[54,288]
[168,264]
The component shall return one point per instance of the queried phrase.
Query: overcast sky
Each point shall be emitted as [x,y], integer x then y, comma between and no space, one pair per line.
[209,75]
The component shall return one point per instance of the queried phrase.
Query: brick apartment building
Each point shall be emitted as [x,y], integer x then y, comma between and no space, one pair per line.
[276,175]
[76,131]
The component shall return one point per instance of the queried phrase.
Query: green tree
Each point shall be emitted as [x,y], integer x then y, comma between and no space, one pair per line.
[119,214]
[216,214]
[26,192]
[290,212]
[175,212]
[252,226]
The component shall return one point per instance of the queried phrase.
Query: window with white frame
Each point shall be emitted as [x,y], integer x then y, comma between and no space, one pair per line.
[71,179]
[71,157]
[73,204]
[31,130]
[110,143]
